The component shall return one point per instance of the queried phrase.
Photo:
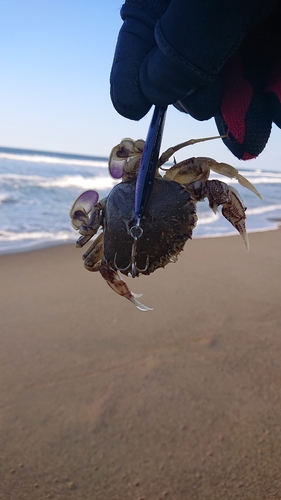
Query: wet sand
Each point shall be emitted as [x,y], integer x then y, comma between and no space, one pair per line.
[102,401]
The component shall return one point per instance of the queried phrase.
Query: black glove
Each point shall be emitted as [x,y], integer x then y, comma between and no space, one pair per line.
[175,52]
[251,90]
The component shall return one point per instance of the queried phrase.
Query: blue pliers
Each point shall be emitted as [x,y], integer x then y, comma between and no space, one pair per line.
[149,161]
[146,175]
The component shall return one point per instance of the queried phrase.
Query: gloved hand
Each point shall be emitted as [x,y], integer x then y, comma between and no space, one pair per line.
[208,58]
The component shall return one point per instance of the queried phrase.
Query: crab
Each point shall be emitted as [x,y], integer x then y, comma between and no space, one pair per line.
[169,219]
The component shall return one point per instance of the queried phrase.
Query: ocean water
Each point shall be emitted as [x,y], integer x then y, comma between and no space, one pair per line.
[37,189]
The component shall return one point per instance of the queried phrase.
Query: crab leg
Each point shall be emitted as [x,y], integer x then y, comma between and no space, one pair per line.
[93,255]
[169,152]
[232,173]
[119,286]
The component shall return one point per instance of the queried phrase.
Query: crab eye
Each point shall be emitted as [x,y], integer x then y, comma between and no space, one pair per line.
[85,202]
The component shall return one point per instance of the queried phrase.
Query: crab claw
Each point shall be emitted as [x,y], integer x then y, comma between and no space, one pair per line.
[82,207]
[119,286]
[233,209]
[86,200]
[116,166]
[120,155]
[79,218]
[234,212]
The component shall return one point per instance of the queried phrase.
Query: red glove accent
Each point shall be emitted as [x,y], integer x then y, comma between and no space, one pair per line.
[244,114]
[251,90]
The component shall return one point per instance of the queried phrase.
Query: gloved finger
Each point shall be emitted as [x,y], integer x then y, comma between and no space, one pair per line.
[134,42]
[165,81]
[189,55]
[244,115]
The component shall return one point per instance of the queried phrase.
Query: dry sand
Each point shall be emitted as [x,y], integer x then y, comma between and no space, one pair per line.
[102,401]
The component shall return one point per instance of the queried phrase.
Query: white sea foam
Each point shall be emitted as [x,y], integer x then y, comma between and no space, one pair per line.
[234,232]
[36,235]
[208,219]
[79,181]
[19,242]
[53,160]
[263,209]
[267,180]
[20,178]
[3,197]
[256,177]
[65,181]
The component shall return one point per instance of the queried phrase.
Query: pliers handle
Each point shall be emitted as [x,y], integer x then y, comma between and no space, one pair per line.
[149,162]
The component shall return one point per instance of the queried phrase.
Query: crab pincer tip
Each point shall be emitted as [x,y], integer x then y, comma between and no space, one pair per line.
[246,241]
[139,305]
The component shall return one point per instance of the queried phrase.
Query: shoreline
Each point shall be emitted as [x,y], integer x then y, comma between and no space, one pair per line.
[42,246]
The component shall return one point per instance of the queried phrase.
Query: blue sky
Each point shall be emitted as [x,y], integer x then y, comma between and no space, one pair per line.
[55,62]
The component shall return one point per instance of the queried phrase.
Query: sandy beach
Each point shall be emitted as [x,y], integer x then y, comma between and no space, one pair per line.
[100,401]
